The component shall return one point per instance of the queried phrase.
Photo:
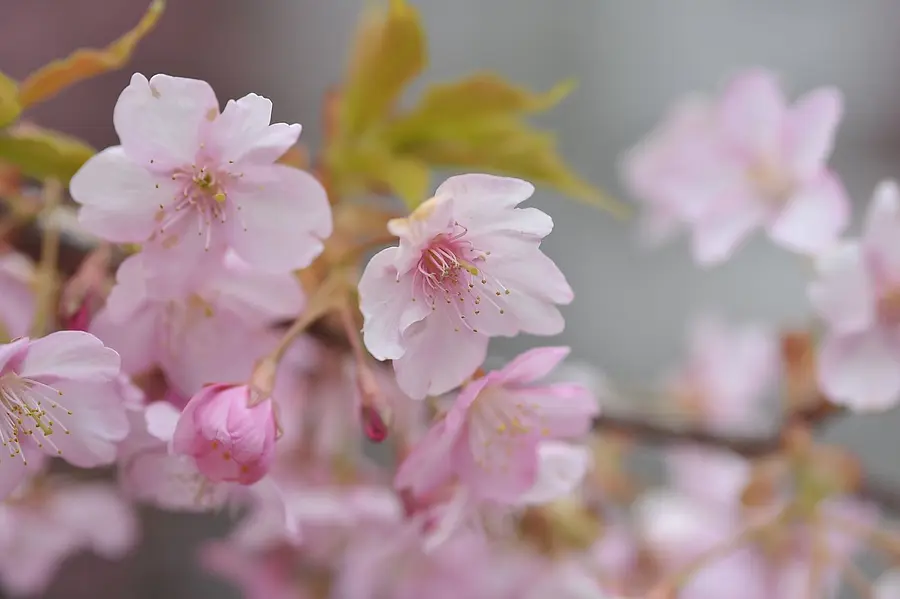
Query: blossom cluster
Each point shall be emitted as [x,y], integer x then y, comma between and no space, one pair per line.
[182,375]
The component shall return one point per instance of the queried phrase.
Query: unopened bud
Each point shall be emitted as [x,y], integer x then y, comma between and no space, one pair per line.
[373,424]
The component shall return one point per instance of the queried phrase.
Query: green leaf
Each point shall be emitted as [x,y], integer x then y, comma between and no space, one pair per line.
[9,101]
[508,147]
[43,154]
[389,53]
[82,64]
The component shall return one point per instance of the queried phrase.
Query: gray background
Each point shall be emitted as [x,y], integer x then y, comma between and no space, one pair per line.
[632,58]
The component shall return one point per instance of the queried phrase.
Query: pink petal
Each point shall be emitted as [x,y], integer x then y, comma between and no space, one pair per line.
[496,468]
[258,297]
[561,469]
[881,232]
[283,216]
[73,355]
[119,198]
[861,371]
[134,339]
[18,304]
[438,358]
[242,132]
[161,119]
[843,294]
[187,241]
[11,353]
[810,130]
[162,419]
[97,423]
[716,478]
[473,192]
[563,410]
[428,465]
[719,233]
[187,429]
[814,217]
[533,365]
[97,514]
[13,470]
[382,304]
[752,112]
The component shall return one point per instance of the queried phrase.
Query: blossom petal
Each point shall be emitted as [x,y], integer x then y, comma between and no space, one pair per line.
[120,199]
[752,111]
[134,338]
[562,467]
[881,232]
[473,192]
[810,130]
[495,467]
[73,355]
[428,465]
[814,217]
[387,307]
[242,132]
[533,365]
[161,120]
[843,294]
[13,470]
[861,371]
[562,410]
[282,217]
[718,234]
[438,358]
[258,297]
[13,351]
[162,419]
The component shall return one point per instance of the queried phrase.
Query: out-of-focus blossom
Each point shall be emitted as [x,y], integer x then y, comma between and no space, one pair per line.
[269,574]
[857,294]
[728,371]
[58,397]
[468,267]
[229,439]
[888,585]
[490,438]
[190,182]
[213,327]
[46,521]
[17,299]
[561,469]
[722,169]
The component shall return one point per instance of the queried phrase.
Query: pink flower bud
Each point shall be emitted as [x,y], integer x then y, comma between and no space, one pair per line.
[229,440]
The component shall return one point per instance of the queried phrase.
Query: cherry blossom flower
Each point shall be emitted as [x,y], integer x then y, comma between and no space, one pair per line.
[728,371]
[229,439]
[57,397]
[47,520]
[17,300]
[188,180]
[491,436]
[725,168]
[213,330]
[857,294]
[468,267]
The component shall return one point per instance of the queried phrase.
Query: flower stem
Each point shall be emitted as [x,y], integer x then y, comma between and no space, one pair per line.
[46,274]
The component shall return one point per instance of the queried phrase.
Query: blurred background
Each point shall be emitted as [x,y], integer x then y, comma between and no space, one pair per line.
[631,60]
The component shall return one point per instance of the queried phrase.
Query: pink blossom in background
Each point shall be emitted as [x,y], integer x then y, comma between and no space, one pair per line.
[58,398]
[857,294]
[728,371]
[191,182]
[468,267]
[722,169]
[43,524]
[267,575]
[230,440]
[491,436]
[888,585]
[17,299]
[212,328]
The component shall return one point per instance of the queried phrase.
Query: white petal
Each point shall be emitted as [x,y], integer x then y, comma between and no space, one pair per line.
[72,355]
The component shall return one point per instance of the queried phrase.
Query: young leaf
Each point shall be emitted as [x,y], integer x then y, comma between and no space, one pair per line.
[9,102]
[389,53]
[42,154]
[82,64]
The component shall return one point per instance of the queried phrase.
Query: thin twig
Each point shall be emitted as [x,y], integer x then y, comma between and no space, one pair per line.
[46,272]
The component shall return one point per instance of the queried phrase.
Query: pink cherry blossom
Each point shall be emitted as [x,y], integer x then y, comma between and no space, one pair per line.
[260,575]
[213,328]
[17,300]
[722,169]
[857,294]
[188,180]
[57,396]
[561,469]
[728,371]
[468,267]
[229,439]
[490,438]
[48,522]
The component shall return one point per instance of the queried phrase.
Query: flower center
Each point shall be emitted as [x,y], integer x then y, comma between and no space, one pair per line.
[771,181]
[29,409]
[453,270]
[202,192]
